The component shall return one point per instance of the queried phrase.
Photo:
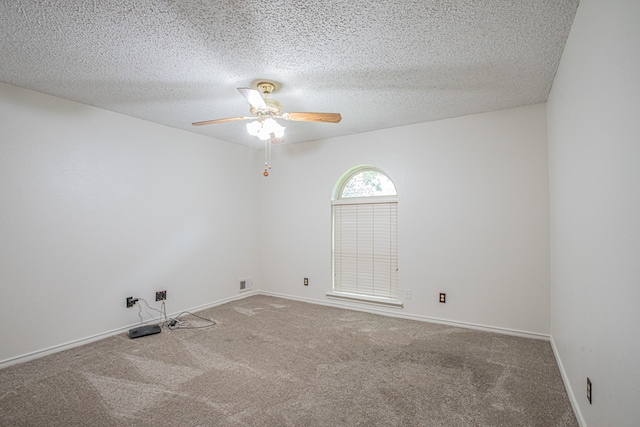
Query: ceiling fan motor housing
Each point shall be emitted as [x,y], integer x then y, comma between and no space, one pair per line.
[273,109]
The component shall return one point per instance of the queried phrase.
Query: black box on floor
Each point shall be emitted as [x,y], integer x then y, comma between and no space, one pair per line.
[145,330]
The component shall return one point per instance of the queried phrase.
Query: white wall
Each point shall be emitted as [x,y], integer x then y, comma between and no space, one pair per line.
[594,158]
[96,206]
[473,215]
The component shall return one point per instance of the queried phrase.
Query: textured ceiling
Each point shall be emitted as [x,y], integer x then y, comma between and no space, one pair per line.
[379,63]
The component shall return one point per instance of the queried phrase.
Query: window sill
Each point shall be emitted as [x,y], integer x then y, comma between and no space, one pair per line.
[366,299]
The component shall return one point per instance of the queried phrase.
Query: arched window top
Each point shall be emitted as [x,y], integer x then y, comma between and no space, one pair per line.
[365,181]
[365,237]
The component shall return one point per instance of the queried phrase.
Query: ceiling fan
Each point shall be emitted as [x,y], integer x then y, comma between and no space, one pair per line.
[265,110]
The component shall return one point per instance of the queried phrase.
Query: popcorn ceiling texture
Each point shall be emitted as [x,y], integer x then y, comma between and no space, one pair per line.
[380,64]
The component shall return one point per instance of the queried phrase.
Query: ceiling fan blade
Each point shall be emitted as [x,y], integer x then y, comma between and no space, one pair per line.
[254,97]
[313,117]
[230,119]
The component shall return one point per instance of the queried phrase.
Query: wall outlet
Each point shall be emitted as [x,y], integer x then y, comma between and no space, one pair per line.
[131,301]
[306,281]
[443,298]
[407,294]
[161,295]
[589,386]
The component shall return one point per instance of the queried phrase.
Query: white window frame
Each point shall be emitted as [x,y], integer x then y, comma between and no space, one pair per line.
[392,299]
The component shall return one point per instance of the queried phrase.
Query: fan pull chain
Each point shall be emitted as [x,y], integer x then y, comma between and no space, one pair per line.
[267,156]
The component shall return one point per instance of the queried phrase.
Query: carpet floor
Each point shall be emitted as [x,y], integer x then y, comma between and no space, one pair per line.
[276,362]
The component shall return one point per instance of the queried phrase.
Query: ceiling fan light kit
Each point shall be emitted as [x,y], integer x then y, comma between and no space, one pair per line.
[265,110]
[264,128]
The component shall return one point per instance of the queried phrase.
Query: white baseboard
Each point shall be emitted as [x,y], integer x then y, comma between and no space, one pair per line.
[82,341]
[376,309]
[567,385]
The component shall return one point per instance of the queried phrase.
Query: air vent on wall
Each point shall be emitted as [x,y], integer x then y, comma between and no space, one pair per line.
[245,284]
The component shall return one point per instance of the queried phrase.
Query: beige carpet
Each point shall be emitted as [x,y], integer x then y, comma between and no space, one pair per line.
[278,362]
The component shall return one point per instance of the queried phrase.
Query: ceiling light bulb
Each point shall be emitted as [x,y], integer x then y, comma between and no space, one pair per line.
[271,126]
[253,128]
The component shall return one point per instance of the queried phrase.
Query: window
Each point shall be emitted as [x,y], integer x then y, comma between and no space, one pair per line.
[365,237]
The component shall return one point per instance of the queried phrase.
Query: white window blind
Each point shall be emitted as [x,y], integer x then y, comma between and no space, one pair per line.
[366,249]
